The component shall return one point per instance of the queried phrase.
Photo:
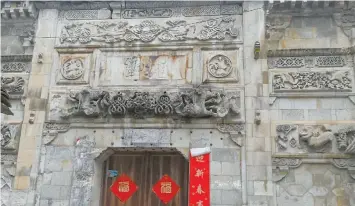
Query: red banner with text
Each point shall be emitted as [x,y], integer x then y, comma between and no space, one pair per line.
[199,185]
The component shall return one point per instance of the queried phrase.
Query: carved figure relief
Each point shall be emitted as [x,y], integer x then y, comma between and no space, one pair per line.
[8,136]
[328,80]
[190,103]
[13,84]
[131,67]
[220,66]
[148,30]
[73,69]
[316,138]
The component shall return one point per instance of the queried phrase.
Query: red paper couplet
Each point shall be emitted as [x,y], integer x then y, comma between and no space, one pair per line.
[199,185]
[123,188]
[166,189]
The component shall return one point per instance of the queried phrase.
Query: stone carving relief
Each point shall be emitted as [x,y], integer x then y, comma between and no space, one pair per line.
[307,62]
[14,67]
[14,84]
[148,31]
[85,14]
[281,167]
[146,137]
[346,139]
[220,66]
[195,103]
[330,61]
[147,13]
[348,164]
[83,171]
[236,132]
[346,21]
[276,26]
[315,138]
[73,69]
[326,80]
[9,134]
[51,130]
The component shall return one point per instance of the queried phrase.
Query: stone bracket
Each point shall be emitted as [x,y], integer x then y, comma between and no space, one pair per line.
[51,130]
[236,132]
[281,167]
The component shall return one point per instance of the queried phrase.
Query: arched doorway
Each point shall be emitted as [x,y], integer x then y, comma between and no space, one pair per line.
[145,168]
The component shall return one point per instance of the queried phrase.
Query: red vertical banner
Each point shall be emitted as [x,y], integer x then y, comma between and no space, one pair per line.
[199,184]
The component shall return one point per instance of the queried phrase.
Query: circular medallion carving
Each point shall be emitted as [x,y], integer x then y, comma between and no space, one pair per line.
[220,66]
[73,69]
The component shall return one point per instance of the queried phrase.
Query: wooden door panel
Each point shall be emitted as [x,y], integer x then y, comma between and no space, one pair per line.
[145,169]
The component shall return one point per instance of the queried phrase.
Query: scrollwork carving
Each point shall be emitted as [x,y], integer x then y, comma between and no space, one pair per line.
[330,61]
[283,135]
[235,131]
[281,166]
[220,66]
[196,103]
[328,80]
[14,67]
[148,30]
[147,13]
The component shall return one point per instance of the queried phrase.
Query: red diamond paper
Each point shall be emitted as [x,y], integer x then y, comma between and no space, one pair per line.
[123,188]
[166,189]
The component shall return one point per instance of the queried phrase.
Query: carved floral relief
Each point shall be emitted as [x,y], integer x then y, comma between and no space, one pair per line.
[222,28]
[9,136]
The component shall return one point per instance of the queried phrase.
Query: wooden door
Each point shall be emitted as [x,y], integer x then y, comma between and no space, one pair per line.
[145,169]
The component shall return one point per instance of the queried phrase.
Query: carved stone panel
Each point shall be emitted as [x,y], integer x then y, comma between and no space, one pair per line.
[146,104]
[9,137]
[137,68]
[74,69]
[15,67]
[221,66]
[308,62]
[315,80]
[151,31]
[315,138]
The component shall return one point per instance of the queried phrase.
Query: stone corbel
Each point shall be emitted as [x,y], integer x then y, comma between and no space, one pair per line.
[348,164]
[51,130]
[281,167]
[236,132]
[346,21]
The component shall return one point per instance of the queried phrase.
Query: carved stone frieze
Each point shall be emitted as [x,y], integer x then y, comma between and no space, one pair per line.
[189,103]
[308,62]
[148,31]
[147,13]
[14,84]
[15,67]
[16,58]
[335,80]
[311,52]
[315,138]
[86,14]
[9,139]
[220,66]
[51,130]
[281,167]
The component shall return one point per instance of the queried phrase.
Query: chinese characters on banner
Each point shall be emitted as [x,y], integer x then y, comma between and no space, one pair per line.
[166,189]
[199,185]
[123,188]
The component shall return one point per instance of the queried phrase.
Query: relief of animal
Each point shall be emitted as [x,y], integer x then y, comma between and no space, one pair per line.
[314,139]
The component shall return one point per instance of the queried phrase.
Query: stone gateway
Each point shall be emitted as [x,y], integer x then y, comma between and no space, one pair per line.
[108,99]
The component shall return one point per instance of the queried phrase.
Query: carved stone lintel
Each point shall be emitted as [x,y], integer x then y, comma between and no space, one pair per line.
[236,132]
[281,167]
[348,164]
[51,130]
[311,52]
[190,103]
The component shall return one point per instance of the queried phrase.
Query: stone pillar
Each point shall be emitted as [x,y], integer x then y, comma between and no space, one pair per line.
[35,105]
[258,142]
